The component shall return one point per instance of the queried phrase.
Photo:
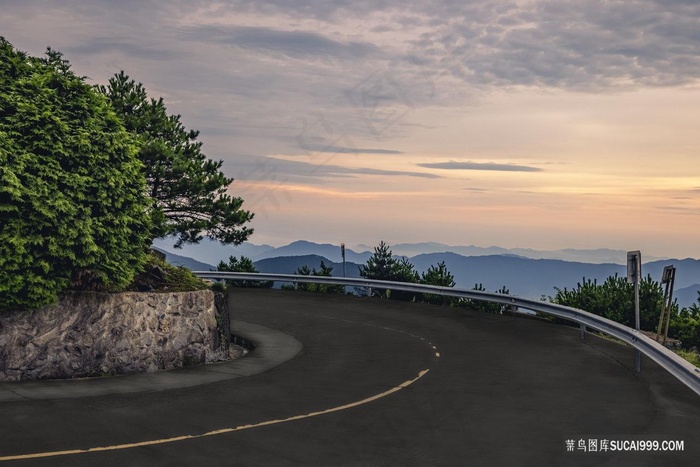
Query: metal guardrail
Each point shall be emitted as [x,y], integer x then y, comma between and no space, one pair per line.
[684,371]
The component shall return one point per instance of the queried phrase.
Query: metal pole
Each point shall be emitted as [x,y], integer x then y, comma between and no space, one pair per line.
[638,365]
[663,314]
[634,276]
[669,306]
[342,253]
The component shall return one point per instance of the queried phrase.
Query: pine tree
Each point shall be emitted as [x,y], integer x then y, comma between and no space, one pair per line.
[382,265]
[440,276]
[324,271]
[188,190]
[242,265]
[72,210]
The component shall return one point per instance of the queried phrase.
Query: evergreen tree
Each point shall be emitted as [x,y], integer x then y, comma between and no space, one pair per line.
[481,305]
[188,190]
[327,271]
[324,271]
[242,265]
[382,265]
[614,299]
[72,210]
[685,325]
[439,276]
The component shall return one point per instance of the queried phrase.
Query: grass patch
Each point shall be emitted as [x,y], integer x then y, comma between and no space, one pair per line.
[690,355]
[159,276]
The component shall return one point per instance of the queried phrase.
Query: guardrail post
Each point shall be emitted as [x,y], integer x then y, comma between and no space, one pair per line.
[369,294]
[583,331]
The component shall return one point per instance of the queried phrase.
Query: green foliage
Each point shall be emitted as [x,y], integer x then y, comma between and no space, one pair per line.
[188,190]
[685,326]
[242,265]
[614,299]
[72,210]
[439,276]
[181,279]
[483,306]
[325,271]
[382,265]
[156,274]
[691,356]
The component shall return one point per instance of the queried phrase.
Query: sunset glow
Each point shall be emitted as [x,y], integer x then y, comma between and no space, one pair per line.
[541,124]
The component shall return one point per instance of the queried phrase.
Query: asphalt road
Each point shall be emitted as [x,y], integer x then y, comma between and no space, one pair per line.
[376,383]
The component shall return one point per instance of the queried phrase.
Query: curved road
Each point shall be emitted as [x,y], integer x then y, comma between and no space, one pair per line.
[376,383]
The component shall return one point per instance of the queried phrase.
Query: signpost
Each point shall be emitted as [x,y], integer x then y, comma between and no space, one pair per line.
[634,276]
[668,278]
[342,253]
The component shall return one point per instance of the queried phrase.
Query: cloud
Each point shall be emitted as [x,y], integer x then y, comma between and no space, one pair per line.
[468,165]
[584,45]
[271,169]
[348,150]
[295,43]
[366,171]
[100,45]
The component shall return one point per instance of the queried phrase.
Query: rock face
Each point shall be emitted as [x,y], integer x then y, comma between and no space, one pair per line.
[90,334]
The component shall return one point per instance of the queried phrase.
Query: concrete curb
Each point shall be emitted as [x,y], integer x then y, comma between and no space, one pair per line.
[272,348]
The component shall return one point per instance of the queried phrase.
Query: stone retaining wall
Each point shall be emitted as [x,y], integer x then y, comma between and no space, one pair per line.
[90,334]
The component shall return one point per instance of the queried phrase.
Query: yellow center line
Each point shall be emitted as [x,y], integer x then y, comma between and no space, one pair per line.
[117,447]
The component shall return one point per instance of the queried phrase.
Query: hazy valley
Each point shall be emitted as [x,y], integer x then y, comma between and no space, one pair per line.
[530,276]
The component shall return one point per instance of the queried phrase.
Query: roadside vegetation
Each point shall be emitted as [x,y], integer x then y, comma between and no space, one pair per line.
[242,265]
[89,176]
[323,271]
[160,276]
[614,299]
[383,265]
[691,355]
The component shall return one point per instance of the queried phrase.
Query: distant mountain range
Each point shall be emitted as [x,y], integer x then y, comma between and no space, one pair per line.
[211,251]
[184,261]
[596,256]
[523,276]
[290,264]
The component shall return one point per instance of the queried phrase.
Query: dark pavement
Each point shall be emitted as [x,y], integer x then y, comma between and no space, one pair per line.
[499,390]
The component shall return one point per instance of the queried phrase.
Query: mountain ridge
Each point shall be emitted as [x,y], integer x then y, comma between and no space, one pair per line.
[211,251]
[527,277]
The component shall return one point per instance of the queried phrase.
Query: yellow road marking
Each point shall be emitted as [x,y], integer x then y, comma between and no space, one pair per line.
[117,447]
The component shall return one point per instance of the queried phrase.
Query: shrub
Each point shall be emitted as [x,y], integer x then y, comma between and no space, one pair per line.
[440,276]
[72,205]
[614,299]
[481,305]
[382,265]
[159,275]
[325,271]
[685,326]
[242,265]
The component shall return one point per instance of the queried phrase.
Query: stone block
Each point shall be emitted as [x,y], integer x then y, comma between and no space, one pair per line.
[87,334]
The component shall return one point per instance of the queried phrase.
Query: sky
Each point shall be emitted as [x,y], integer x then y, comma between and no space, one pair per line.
[525,123]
